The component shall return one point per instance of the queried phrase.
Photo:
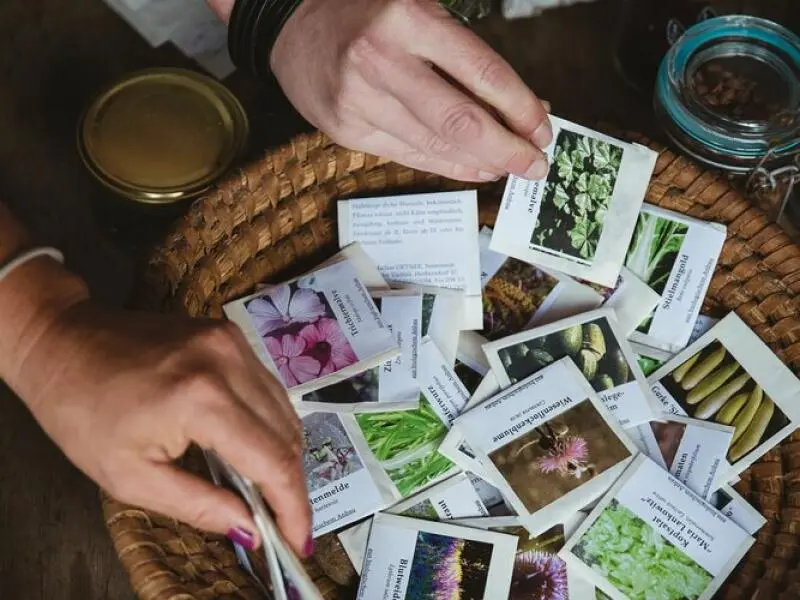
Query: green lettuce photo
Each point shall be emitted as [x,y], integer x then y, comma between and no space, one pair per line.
[637,560]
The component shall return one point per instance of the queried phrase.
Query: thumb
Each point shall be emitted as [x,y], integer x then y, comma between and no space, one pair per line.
[169,490]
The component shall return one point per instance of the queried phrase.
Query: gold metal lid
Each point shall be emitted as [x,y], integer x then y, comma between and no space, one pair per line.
[162,135]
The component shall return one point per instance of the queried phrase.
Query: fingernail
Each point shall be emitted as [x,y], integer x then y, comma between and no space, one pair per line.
[543,134]
[538,170]
[242,537]
[547,106]
[308,549]
[486,176]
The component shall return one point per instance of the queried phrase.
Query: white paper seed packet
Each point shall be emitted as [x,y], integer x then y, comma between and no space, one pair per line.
[345,483]
[675,255]
[406,443]
[454,498]
[633,301]
[594,341]
[730,376]
[731,504]
[408,559]
[491,261]
[316,330]
[423,239]
[548,443]
[650,532]
[650,359]
[692,450]
[581,218]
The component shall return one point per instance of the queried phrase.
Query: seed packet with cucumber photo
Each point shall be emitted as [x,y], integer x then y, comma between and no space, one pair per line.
[581,218]
[548,443]
[692,450]
[406,443]
[316,330]
[421,239]
[729,376]
[410,559]
[651,532]
[731,504]
[345,483]
[594,341]
[675,255]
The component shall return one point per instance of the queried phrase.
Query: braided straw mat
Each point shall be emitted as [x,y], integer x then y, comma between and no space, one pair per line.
[274,219]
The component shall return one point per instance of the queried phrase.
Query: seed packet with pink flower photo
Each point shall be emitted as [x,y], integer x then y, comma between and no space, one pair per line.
[548,443]
[316,330]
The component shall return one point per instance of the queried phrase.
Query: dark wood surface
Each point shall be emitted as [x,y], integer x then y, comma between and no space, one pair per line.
[53,55]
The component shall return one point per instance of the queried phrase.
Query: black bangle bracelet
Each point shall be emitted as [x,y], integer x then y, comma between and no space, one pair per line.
[253,30]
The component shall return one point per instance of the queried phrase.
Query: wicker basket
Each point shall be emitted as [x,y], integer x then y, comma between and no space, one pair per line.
[274,218]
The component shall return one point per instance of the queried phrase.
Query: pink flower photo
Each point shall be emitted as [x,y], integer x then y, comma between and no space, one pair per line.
[300,333]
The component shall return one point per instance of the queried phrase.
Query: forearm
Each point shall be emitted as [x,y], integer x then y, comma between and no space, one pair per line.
[31,297]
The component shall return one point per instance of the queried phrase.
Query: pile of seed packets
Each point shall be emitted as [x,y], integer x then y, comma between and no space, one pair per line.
[537,411]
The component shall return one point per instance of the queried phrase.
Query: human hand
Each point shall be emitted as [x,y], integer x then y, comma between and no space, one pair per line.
[124,394]
[404,80]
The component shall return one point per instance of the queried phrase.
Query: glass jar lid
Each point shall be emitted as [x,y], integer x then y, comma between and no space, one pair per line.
[728,92]
[162,135]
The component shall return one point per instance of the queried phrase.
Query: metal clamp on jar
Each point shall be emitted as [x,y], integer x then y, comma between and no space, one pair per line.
[728,94]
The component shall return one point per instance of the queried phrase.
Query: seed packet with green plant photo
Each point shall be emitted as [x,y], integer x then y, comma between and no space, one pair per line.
[594,341]
[581,218]
[652,533]
[410,559]
[729,376]
[548,443]
[675,255]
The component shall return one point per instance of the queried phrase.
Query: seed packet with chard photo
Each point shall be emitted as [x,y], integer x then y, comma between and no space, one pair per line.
[406,443]
[651,532]
[594,341]
[581,218]
[693,451]
[345,483]
[316,330]
[548,443]
[731,504]
[409,559]
[421,239]
[675,255]
[729,376]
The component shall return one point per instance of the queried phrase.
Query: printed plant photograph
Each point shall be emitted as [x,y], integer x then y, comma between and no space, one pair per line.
[428,301]
[636,559]
[471,379]
[559,456]
[653,251]
[648,364]
[539,574]
[668,435]
[592,346]
[577,195]
[423,510]
[360,389]
[448,568]
[406,443]
[512,297]
[712,386]
[329,454]
[300,332]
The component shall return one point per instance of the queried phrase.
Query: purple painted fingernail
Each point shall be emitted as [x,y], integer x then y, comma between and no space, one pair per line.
[308,549]
[242,537]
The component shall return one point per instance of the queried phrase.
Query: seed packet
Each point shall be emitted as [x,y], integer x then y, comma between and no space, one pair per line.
[701,325]
[316,330]
[731,504]
[633,300]
[423,239]
[593,340]
[650,359]
[519,295]
[548,443]
[581,218]
[408,559]
[651,532]
[491,261]
[675,255]
[390,386]
[470,352]
[730,376]
[345,483]
[693,451]
[406,442]
[491,497]
[454,498]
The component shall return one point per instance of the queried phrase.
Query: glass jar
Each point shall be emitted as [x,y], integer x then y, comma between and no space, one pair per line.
[728,94]
[468,10]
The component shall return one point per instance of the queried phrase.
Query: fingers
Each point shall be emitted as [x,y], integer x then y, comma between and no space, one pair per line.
[462,54]
[262,456]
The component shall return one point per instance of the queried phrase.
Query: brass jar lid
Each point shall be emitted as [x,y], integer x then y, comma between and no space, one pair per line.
[162,135]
